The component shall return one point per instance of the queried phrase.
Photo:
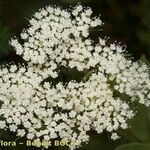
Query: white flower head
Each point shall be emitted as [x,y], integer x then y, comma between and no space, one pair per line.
[34,107]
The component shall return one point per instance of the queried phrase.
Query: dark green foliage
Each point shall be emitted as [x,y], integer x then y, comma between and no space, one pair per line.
[140,125]
[144,30]
[134,146]
[4,39]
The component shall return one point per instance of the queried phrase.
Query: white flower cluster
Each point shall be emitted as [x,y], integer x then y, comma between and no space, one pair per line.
[59,38]
[43,111]
[49,112]
[130,78]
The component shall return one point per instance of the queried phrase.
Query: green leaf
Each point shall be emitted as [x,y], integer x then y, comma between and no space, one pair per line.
[101,142]
[134,146]
[140,125]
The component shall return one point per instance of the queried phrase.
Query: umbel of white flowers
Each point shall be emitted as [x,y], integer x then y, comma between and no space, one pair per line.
[37,109]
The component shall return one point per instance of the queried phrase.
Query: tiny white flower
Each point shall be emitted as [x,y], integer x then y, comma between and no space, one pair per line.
[114,136]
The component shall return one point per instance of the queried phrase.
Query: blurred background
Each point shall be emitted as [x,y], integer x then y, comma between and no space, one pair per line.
[126,21]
